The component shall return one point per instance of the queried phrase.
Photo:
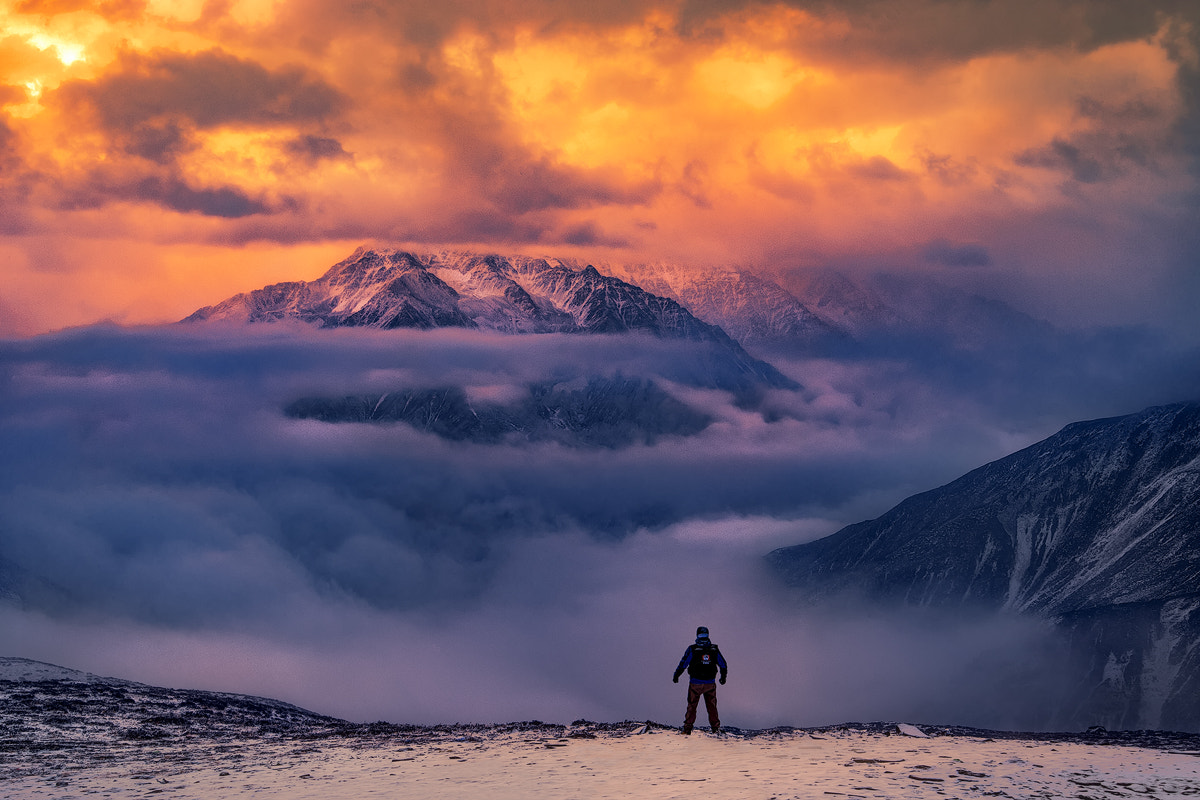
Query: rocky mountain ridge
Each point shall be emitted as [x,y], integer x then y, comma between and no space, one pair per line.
[752,309]
[387,289]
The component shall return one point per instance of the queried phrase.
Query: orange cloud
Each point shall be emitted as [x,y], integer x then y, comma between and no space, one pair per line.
[777,134]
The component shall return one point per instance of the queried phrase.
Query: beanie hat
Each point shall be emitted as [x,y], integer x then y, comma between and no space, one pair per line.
[702,632]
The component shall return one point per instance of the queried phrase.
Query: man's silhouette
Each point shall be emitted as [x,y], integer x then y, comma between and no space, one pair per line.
[702,661]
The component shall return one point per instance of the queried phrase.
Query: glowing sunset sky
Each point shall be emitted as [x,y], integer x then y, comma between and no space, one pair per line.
[158,156]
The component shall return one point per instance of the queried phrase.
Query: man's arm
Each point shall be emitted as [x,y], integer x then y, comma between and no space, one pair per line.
[722,665]
[683,664]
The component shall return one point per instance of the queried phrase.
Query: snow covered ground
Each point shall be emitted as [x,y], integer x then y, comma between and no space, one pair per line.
[68,734]
[643,762]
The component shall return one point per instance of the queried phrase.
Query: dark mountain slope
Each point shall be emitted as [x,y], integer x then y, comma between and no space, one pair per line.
[1103,512]
[1096,529]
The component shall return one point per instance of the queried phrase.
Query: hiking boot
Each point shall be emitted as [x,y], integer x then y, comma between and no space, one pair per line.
[716,728]
[687,730]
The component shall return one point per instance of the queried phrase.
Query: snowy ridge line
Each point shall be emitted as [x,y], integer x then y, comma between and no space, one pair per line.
[22,671]
[388,289]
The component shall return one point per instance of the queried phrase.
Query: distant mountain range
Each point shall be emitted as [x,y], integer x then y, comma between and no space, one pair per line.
[824,312]
[817,312]
[390,289]
[1096,528]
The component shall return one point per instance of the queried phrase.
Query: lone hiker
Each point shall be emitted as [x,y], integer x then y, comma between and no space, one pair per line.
[702,660]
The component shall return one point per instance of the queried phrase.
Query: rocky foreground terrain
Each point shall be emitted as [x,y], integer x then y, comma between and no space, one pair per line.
[70,734]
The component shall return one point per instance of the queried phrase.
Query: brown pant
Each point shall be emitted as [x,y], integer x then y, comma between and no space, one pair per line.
[709,692]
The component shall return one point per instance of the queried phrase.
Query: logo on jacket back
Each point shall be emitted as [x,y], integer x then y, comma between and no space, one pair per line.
[704,662]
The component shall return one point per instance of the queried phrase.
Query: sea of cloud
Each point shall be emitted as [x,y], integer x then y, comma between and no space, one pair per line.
[162,519]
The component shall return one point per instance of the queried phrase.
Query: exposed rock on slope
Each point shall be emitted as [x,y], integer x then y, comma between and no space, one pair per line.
[1103,512]
[1097,527]
[612,412]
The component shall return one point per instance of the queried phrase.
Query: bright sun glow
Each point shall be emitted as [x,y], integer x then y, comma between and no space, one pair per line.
[68,52]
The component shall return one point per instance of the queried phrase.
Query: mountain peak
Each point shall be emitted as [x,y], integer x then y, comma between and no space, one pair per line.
[385,288]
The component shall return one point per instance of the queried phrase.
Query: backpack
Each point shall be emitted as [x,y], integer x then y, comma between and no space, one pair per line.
[704,662]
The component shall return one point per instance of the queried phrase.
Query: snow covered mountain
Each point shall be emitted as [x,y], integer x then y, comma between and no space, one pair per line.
[804,312]
[752,309]
[1096,528]
[394,289]
[825,310]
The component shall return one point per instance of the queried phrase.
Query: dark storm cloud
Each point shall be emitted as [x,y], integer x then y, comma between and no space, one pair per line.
[877,168]
[427,26]
[925,30]
[151,107]
[162,141]
[948,170]
[205,89]
[521,184]
[589,234]
[163,187]
[1065,157]
[316,148]
[223,201]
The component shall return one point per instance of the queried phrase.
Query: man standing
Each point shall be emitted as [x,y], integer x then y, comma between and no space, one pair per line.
[702,660]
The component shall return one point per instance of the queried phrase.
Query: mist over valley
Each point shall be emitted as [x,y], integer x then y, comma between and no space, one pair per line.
[450,521]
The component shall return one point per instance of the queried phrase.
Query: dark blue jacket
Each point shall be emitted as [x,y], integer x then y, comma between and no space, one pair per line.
[702,660]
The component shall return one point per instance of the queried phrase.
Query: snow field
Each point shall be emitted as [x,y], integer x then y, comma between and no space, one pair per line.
[657,765]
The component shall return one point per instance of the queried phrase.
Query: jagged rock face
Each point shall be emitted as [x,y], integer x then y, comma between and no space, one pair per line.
[391,289]
[566,298]
[1104,512]
[388,289]
[369,289]
[1096,528]
[1138,666]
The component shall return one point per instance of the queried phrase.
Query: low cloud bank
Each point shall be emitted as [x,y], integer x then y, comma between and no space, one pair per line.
[163,520]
